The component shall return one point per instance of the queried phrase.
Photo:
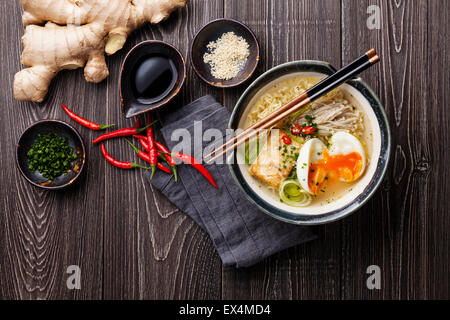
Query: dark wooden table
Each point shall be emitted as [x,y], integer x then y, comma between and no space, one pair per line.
[130,242]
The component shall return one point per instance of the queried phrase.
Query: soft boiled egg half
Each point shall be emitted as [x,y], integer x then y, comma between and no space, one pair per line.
[344,160]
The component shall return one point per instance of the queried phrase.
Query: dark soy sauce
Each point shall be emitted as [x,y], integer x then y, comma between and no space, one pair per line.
[154,78]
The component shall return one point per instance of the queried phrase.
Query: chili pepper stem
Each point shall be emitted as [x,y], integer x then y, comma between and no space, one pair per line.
[174,169]
[139,130]
[136,165]
[153,166]
[133,146]
[105,126]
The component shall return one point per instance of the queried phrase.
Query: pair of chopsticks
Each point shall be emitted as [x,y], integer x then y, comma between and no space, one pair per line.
[320,89]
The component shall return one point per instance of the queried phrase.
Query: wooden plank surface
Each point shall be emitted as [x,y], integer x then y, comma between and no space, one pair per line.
[401,217]
[131,243]
[432,165]
[397,215]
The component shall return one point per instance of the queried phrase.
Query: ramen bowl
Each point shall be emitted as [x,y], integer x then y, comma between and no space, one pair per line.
[376,124]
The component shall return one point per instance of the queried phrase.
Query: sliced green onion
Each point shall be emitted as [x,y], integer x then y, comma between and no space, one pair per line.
[253,149]
[292,193]
[292,190]
[294,137]
[299,112]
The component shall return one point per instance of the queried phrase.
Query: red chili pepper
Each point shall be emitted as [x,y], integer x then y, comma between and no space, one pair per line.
[151,146]
[161,156]
[86,123]
[125,132]
[160,166]
[142,140]
[296,129]
[163,149]
[286,139]
[160,147]
[138,122]
[197,165]
[308,130]
[120,164]
[146,157]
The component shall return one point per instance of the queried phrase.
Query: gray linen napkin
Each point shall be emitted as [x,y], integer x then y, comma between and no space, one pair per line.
[241,233]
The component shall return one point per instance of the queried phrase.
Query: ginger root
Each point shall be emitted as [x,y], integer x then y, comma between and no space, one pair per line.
[71,34]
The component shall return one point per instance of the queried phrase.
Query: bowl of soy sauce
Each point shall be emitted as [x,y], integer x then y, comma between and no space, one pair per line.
[152,74]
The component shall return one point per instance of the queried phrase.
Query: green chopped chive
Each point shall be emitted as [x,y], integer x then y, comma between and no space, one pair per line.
[51,155]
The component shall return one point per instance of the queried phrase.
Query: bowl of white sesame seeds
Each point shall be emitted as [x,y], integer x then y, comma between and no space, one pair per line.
[224,53]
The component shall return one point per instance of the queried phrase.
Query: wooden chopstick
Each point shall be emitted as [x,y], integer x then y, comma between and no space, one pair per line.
[364,58]
[323,87]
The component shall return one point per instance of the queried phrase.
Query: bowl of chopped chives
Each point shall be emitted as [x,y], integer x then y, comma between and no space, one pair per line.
[224,53]
[50,154]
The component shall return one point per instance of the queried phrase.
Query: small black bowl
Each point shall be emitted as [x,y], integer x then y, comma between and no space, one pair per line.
[211,32]
[130,105]
[61,129]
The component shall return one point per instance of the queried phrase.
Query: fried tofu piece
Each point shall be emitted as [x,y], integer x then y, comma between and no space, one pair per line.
[276,159]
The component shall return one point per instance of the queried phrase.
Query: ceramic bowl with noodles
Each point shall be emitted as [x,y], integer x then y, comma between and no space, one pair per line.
[317,165]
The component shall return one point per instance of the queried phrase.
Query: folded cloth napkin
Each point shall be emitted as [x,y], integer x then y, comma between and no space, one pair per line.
[241,233]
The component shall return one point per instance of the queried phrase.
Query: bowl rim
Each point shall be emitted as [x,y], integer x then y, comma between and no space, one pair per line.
[71,181]
[216,84]
[166,99]
[383,161]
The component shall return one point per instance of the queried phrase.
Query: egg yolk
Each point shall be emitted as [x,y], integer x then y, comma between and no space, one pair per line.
[346,167]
